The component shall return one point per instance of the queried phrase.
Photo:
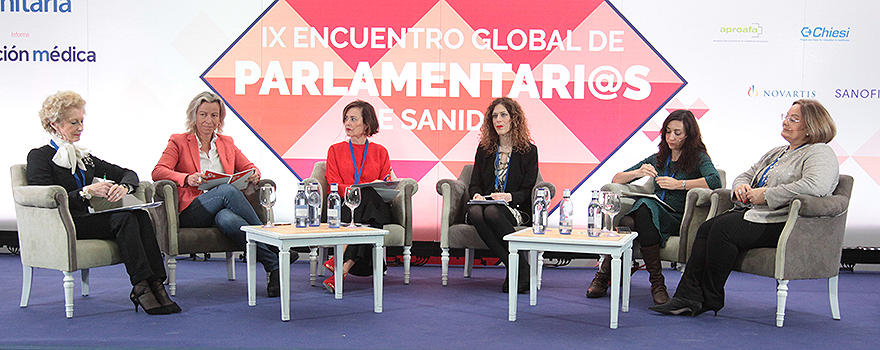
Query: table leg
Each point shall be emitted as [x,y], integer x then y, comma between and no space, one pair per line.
[337,277]
[615,288]
[627,266]
[252,272]
[533,278]
[513,282]
[284,269]
[378,276]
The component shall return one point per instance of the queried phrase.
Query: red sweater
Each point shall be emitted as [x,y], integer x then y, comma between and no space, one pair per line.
[340,168]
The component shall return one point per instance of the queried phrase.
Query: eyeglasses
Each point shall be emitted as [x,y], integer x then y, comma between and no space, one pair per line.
[791,119]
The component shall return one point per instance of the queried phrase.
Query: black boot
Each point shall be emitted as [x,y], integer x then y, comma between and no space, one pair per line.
[599,287]
[273,289]
[655,268]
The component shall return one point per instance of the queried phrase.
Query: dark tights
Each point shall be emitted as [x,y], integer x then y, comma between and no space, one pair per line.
[642,222]
[493,222]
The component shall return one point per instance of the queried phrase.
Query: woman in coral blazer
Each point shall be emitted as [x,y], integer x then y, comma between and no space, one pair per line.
[201,148]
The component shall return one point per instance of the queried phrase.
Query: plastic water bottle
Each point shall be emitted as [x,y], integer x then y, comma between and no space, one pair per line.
[314,206]
[594,216]
[539,212]
[301,207]
[566,213]
[334,206]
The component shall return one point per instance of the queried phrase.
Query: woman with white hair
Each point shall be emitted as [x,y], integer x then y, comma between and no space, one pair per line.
[62,162]
[200,148]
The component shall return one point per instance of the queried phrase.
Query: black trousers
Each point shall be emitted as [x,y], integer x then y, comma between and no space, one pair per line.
[373,212]
[718,243]
[133,232]
[493,222]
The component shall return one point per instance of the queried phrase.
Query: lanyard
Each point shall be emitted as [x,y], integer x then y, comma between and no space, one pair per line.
[763,180]
[357,172]
[666,173]
[79,176]
[506,174]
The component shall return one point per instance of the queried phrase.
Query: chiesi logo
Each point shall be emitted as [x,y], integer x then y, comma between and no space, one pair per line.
[786,93]
[35,6]
[824,34]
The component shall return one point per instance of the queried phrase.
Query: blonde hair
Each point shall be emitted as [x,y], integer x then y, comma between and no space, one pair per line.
[820,127]
[57,107]
[202,97]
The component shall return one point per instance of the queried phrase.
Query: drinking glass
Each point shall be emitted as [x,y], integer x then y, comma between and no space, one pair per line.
[267,200]
[611,207]
[352,201]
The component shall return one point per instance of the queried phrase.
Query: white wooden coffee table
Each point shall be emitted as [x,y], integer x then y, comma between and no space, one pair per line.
[619,247]
[286,237]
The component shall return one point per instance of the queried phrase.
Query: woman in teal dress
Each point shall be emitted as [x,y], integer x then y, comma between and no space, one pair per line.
[681,164]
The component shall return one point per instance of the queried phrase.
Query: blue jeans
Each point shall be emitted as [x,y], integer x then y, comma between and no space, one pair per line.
[226,208]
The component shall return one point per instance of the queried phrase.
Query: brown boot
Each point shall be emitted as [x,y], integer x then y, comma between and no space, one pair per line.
[599,286]
[658,283]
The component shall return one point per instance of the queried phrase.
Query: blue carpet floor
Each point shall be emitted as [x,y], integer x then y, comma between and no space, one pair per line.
[470,313]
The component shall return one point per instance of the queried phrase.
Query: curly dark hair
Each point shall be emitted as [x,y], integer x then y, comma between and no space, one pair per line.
[519,127]
[692,145]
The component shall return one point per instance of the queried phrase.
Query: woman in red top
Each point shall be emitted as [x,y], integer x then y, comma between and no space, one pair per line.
[353,162]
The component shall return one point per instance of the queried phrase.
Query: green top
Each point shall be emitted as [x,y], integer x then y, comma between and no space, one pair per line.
[666,222]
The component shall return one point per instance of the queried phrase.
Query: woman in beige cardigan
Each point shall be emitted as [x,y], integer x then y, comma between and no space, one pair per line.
[807,165]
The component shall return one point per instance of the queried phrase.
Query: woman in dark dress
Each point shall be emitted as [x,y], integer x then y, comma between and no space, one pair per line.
[71,166]
[680,164]
[505,168]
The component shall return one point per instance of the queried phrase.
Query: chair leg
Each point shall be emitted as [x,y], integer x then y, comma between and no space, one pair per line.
[407,257]
[230,266]
[27,277]
[540,267]
[68,293]
[781,295]
[444,259]
[832,295]
[313,265]
[171,270]
[468,262]
[85,281]
[384,259]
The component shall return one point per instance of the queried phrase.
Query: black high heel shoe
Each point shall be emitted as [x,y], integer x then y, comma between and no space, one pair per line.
[142,296]
[162,297]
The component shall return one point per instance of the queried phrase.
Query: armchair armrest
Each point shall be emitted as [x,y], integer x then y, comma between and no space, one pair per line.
[834,205]
[48,197]
[401,207]
[453,193]
[719,202]
[164,217]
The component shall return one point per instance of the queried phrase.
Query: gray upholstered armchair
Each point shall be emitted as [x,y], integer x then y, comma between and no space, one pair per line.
[400,233]
[174,240]
[454,232]
[696,209]
[47,236]
[809,247]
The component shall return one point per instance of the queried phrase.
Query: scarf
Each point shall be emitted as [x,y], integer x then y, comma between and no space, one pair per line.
[67,155]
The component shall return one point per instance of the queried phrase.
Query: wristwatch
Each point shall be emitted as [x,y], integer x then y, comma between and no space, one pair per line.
[128,188]
[84,193]
[683,184]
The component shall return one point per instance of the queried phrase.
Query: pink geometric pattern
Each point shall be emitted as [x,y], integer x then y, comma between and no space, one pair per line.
[581,104]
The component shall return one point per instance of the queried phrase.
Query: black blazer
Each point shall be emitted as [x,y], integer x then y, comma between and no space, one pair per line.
[42,171]
[521,178]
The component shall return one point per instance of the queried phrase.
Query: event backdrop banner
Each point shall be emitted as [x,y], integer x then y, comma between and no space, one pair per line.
[585,77]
